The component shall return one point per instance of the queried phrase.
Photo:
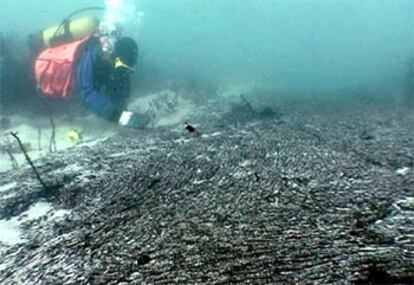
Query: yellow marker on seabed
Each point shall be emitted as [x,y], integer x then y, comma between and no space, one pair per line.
[74,136]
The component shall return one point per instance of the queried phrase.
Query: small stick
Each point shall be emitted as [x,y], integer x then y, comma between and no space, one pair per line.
[39,139]
[52,145]
[26,155]
[13,159]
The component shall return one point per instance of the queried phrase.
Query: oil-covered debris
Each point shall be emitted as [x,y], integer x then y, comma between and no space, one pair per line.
[190,128]
[310,201]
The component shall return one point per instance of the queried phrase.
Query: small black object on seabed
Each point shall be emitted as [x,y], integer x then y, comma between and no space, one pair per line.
[190,128]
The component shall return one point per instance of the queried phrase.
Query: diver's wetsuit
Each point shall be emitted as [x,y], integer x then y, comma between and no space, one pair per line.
[103,89]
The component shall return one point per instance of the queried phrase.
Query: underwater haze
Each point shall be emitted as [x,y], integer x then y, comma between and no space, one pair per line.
[302,45]
[207,142]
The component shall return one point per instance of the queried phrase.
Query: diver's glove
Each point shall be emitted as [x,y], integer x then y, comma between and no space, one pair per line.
[133,120]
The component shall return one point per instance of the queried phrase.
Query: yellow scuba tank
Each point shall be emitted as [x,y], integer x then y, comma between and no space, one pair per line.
[67,31]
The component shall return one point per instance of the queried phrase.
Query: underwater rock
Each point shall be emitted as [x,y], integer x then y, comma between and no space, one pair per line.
[268,113]
[402,171]
[243,111]
[366,135]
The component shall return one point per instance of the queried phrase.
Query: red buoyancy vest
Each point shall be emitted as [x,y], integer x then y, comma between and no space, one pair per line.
[53,69]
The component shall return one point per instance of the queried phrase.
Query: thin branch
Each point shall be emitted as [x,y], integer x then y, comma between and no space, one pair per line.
[52,145]
[13,160]
[39,139]
[26,155]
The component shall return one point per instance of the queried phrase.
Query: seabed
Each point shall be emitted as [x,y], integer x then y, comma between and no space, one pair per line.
[296,193]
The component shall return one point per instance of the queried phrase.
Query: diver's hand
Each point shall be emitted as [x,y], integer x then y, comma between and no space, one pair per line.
[134,120]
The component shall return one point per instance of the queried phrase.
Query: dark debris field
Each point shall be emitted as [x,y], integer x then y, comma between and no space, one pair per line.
[314,195]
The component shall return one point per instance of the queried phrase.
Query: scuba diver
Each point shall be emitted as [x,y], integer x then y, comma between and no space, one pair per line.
[79,57]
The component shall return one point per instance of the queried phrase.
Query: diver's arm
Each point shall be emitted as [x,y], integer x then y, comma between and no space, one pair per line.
[92,98]
[118,87]
[105,105]
[96,102]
